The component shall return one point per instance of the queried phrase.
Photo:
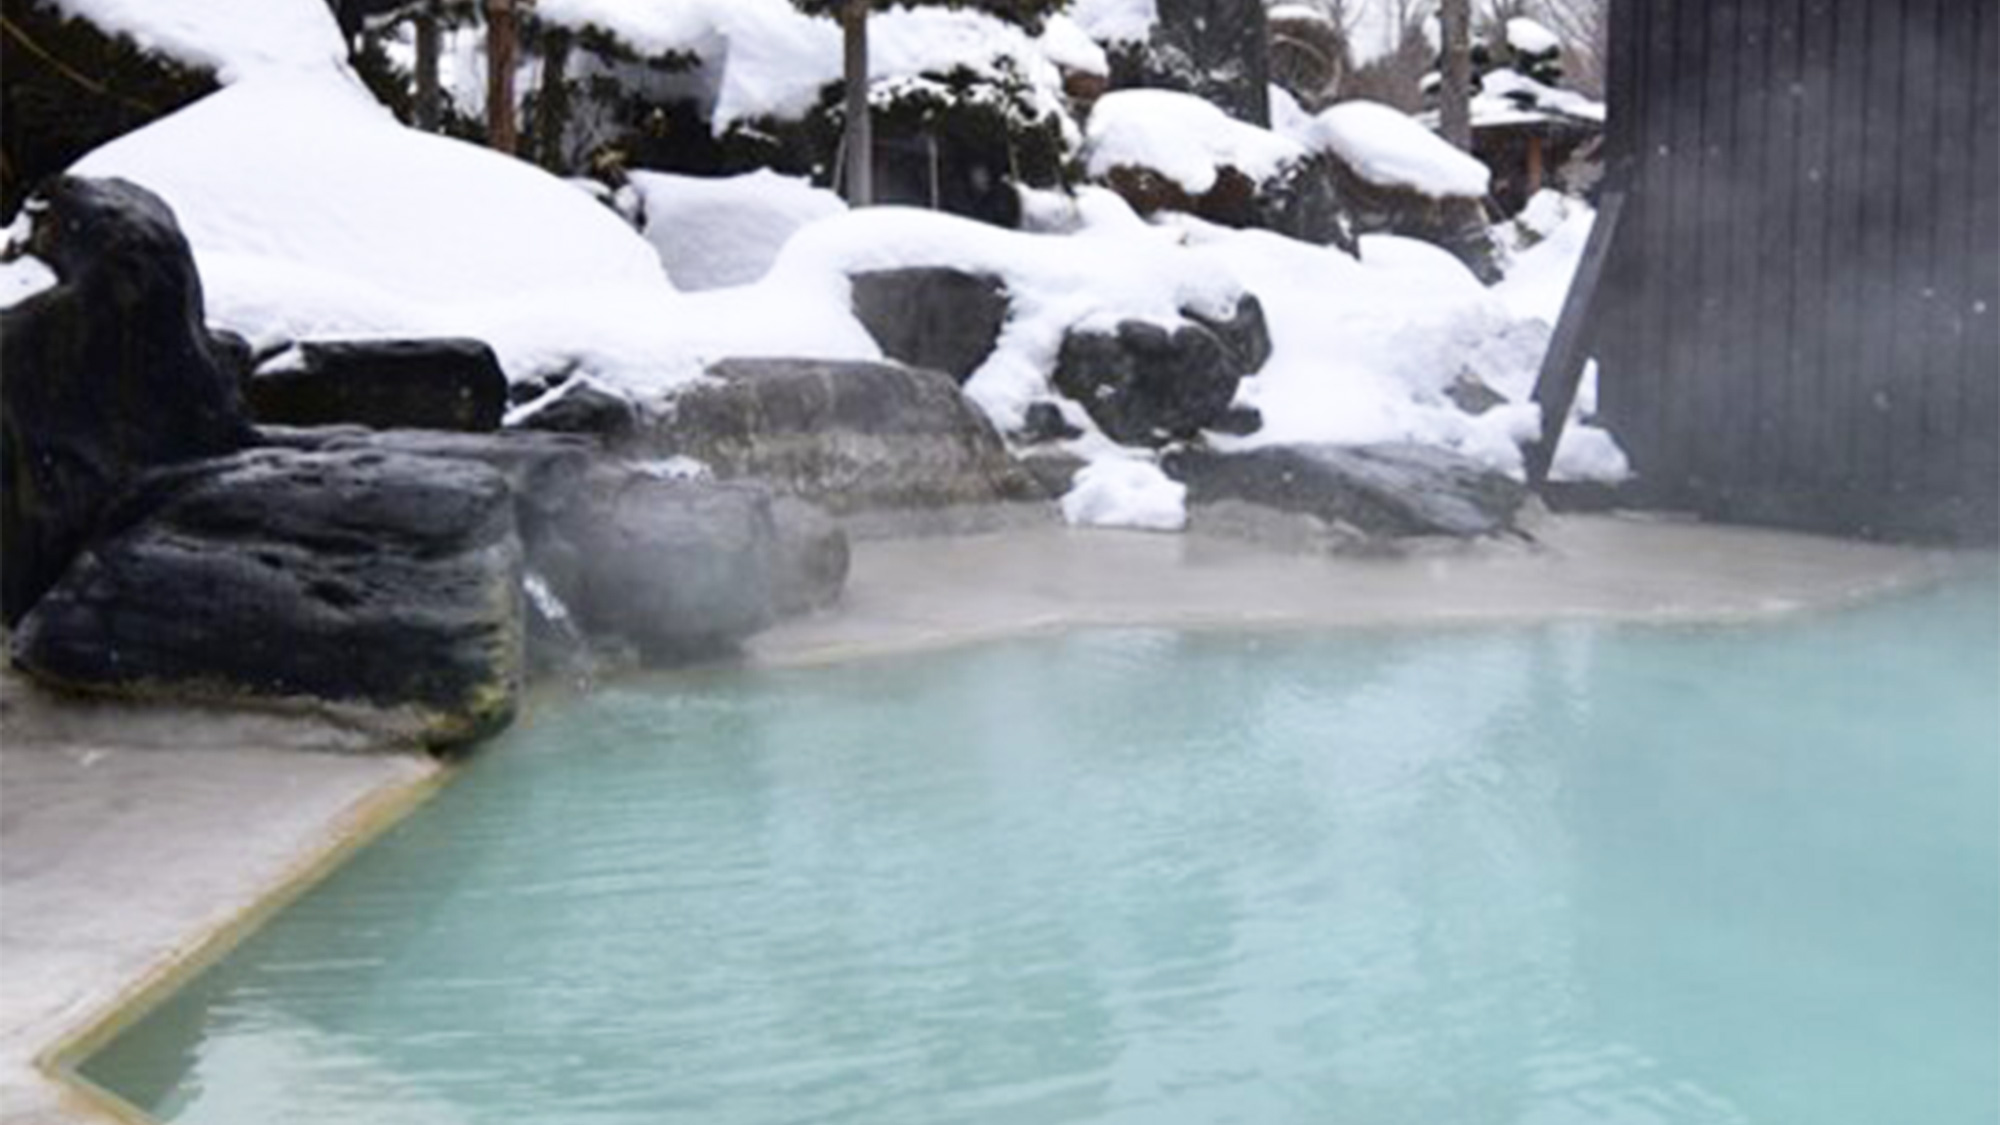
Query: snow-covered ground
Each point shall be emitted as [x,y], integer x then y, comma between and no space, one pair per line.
[313,213]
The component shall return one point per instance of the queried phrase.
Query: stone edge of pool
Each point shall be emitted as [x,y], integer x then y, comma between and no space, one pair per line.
[71,829]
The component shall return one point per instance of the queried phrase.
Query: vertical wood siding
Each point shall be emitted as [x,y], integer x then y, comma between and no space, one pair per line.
[1800,323]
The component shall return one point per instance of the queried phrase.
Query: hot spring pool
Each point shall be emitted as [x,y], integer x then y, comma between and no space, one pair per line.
[1573,873]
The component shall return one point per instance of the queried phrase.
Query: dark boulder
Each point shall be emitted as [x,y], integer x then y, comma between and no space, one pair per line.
[1301,200]
[435,384]
[380,585]
[1218,50]
[620,557]
[941,318]
[109,373]
[1044,421]
[580,406]
[1147,385]
[849,436]
[1385,491]
[1245,334]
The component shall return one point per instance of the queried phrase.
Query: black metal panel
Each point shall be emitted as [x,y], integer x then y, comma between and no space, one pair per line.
[1799,322]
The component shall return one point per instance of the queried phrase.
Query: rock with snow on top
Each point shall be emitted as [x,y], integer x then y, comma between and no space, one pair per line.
[380,587]
[109,373]
[1144,384]
[1389,491]
[850,436]
[434,384]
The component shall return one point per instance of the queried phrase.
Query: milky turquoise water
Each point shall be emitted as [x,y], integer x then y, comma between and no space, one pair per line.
[1548,875]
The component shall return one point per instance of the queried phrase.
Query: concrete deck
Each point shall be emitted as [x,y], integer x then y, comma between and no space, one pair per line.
[920,593]
[134,840]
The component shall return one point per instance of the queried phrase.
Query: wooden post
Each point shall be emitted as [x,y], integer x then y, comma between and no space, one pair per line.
[501,43]
[1455,94]
[860,133]
[429,45]
[1562,366]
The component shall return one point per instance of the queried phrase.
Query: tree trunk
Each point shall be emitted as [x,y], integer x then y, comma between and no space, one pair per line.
[1455,95]
[860,169]
[502,39]
[552,107]
[429,44]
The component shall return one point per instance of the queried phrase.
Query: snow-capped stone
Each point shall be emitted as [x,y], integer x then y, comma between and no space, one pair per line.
[1389,148]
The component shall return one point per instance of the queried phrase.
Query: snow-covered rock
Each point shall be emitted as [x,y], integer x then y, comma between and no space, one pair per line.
[1181,137]
[1531,38]
[1390,149]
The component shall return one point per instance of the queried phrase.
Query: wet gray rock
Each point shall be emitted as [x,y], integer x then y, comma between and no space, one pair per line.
[108,374]
[381,586]
[1384,491]
[849,436]
[813,557]
[944,319]
[1147,385]
[436,384]
[578,509]
[677,569]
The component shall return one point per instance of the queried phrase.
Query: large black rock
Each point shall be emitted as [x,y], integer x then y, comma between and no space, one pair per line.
[941,318]
[108,374]
[849,436]
[432,384]
[673,568]
[1147,385]
[382,584]
[1385,491]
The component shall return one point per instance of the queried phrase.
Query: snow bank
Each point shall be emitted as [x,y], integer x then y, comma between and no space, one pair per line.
[1537,280]
[313,213]
[711,233]
[234,38]
[1388,147]
[1117,491]
[1181,137]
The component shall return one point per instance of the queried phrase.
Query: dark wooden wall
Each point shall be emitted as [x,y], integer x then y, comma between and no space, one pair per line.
[1800,319]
